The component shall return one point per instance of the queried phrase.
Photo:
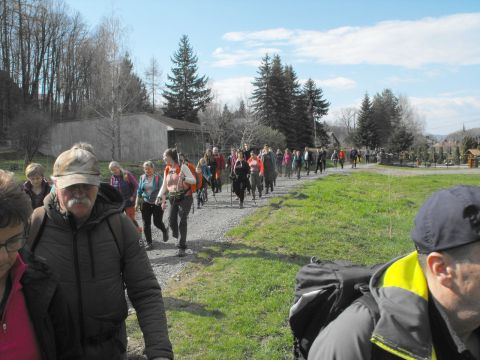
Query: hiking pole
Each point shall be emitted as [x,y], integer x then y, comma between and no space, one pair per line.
[231,191]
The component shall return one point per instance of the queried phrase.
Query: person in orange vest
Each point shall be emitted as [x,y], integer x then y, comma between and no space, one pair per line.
[177,184]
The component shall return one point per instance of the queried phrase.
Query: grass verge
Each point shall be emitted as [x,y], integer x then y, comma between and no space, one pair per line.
[233,302]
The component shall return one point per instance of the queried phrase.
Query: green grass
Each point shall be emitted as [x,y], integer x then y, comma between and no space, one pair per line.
[233,302]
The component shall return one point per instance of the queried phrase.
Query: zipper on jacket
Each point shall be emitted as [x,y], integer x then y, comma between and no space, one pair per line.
[79,284]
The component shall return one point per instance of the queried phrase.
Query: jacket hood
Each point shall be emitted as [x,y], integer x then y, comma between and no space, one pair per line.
[401,292]
[108,202]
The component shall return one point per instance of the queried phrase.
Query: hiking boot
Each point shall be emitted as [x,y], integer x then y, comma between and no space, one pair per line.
[165,236]
[241,204]
[181,253]
[149,247]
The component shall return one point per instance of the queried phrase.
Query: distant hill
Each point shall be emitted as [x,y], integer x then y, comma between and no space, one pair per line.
[459,135]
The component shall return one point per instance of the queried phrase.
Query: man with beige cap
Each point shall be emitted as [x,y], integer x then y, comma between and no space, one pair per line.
[94,248]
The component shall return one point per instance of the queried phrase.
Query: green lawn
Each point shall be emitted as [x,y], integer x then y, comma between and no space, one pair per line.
[233,302]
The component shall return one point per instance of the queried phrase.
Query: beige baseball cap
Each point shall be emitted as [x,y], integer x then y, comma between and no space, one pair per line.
[76,166]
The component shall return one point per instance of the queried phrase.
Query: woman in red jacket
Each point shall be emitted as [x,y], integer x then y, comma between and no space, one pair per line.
[34,318]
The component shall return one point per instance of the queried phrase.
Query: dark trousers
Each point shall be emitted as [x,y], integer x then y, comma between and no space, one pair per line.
[213,182]
[319,166]
[307,167]
[149,210]
[239,187]
[341,161]
[179,211]
[297,170]
[288,170]
[268,184]
[218,184]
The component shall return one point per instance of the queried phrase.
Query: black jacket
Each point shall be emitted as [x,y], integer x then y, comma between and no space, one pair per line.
[49,312]
[93,263]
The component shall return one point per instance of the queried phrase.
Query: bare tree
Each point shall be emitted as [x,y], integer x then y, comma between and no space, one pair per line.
[117,89]
[30,129]
[411,119]
[218,124]
[153,77]
[346,118]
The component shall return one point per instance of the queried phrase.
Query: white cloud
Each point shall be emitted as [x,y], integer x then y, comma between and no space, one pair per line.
[260,36]
[231,90]
[447,114]
[337,83]
[225,58]
[449,40]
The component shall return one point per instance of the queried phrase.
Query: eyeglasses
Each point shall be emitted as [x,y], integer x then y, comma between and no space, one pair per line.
[14,244]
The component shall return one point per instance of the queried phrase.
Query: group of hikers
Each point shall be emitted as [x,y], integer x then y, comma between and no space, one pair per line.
[250,171]
[70,249]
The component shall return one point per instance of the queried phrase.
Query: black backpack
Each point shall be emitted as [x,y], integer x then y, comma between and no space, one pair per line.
[323,290]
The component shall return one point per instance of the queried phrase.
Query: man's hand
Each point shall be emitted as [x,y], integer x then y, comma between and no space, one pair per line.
[158,201]
[164,205]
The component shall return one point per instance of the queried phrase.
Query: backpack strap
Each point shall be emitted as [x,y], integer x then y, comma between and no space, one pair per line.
[369,302]
[36,227]
[115,226]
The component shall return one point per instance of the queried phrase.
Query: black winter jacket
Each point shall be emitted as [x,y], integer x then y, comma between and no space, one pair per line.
[49,312]
[95,264]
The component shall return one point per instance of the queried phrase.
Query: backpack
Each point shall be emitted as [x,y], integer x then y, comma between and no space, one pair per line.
[323,289]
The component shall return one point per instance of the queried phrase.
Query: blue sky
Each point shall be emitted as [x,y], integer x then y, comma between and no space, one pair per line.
[427,50]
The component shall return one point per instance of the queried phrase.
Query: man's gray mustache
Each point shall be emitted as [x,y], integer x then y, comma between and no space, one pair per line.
[82,201]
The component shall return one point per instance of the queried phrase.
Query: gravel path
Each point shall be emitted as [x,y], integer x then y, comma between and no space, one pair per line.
[209,224]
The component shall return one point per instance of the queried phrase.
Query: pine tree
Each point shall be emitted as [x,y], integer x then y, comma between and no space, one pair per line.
[131,93]
[296,111]
[262,101]
[241,112]
[187,92]
[279,96]
[386,115]
[317,107]
[366,134]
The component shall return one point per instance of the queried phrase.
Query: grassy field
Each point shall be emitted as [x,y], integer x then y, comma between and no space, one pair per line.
[233,303]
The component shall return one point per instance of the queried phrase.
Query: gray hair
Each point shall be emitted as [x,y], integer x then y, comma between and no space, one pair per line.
[115,164]
[15,205]
[149,163]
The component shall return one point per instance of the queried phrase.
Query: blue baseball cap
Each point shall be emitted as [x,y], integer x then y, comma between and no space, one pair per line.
[448,219]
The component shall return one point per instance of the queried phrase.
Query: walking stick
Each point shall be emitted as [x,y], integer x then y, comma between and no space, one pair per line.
[231,191]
